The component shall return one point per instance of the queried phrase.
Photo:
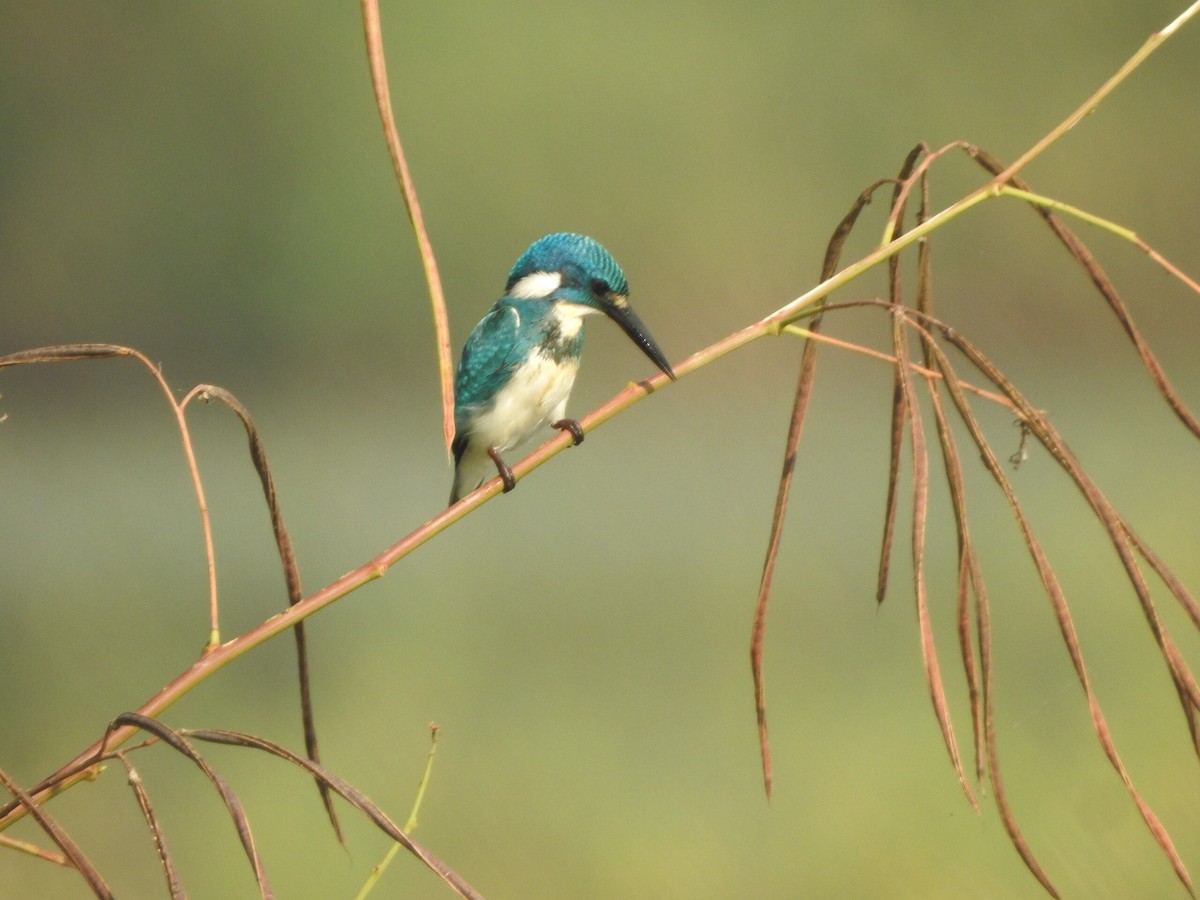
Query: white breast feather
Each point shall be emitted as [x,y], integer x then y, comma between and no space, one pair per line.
[535,396]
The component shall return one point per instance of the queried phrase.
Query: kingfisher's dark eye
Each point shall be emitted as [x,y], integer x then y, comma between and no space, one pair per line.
[600,287]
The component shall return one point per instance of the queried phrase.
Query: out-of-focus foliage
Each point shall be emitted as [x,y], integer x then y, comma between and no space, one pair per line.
[207,182]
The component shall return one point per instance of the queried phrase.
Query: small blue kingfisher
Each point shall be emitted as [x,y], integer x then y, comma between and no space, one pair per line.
[519,364]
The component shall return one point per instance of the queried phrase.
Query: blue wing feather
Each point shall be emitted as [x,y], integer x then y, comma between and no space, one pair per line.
[489,358]
[494,350]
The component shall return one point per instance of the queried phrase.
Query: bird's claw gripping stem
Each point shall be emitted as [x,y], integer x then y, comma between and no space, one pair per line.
[571,425]
[506,474]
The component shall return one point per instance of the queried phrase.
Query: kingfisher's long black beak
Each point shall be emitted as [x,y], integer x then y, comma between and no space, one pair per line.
[617,308]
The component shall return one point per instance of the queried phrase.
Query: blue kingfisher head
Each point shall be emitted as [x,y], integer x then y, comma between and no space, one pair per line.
[519,364]
[572,270]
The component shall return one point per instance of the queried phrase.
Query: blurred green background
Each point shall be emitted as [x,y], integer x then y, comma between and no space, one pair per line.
[207,182]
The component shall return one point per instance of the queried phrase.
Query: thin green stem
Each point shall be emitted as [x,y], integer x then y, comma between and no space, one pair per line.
[1089,106]
[1066,208]
[1120,231]
[409,827]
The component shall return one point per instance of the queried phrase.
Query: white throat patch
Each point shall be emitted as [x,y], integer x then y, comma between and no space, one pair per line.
[536,286]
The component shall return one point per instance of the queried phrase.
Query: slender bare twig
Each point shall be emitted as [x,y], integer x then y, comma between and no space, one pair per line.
[1083,256]
[180,740]
[383,101]
[69,848]
[291,577]
[409,826]
[871,353]
[350,794]
[1089,106]
[42,853]
[177,741]
[174,885]
[67,352]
